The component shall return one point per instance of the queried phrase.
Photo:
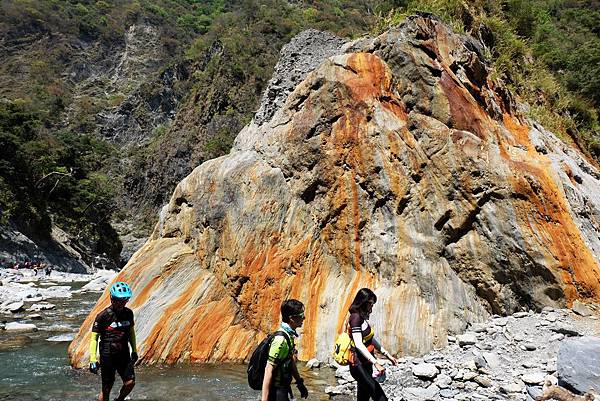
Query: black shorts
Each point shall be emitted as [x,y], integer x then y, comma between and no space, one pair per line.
[279,394]
[109,365]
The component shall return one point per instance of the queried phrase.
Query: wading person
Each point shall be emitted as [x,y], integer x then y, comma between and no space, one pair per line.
[281,364]
[363,360]
[114,326]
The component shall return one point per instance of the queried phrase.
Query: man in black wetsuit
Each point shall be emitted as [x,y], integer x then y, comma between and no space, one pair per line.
[114,325]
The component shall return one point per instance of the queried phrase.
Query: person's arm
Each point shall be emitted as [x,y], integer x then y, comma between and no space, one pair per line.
[94,366]
[94,347]
[299,380]
[358,345]
[383,351]
[276,351]
[266,386]
[132,339]
[133,342]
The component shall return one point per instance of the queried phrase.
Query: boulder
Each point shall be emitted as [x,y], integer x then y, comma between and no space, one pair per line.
[426,371]
[578,363]
[580,308]
[16,326]
[15,307]
[99,283]
[399,164]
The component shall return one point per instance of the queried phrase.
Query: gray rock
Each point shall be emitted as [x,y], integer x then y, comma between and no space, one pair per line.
[469,376]
[467,339]
[425,371]
[419,393]
[15,307]
[493,361]
[16,326]
[483,381]
[534,378]
[511,388]
[534,391]
[520,315]
[35,316]
[578,363]
[581,309]
[448,393]
[568,331]
[443,381]
[300,56]
[41,306]
[313,363]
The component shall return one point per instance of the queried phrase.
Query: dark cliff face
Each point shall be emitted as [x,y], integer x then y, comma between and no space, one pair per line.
[398,164]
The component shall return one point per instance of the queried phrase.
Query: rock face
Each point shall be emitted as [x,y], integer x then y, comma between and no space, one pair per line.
[579,363]
[399,165]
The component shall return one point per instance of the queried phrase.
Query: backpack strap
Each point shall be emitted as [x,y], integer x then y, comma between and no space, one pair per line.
[287,340]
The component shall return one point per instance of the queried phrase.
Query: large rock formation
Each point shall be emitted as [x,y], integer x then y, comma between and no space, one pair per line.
[399,165]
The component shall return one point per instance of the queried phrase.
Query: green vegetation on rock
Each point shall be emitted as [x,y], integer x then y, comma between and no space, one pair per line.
[548,52]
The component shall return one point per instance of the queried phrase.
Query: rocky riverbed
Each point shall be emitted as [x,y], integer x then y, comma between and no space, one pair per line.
[506,358]
[29,299]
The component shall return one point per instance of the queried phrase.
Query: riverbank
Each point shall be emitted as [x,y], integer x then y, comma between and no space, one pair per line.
[506,358]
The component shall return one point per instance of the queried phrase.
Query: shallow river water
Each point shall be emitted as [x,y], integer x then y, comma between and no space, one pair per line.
[33,368]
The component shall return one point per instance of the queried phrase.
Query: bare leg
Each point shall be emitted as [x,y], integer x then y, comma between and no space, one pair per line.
[125,390]
[105,394]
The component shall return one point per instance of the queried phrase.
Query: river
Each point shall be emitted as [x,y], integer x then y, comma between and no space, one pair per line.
[33,368]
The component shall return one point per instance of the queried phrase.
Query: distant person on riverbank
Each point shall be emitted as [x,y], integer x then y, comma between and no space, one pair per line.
[281,365]
[363,359]
[114,326]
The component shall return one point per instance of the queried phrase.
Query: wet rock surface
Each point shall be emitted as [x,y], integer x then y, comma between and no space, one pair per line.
[510,359]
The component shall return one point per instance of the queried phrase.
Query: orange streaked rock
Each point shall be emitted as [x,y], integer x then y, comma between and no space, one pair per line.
[401,167]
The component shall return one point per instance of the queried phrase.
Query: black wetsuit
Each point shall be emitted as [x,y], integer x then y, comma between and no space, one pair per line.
[114,329]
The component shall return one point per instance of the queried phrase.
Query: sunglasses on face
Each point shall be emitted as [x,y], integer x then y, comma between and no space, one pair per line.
[300,315]
[120,300]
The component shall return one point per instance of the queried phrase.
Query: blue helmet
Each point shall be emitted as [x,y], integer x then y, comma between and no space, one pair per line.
[120,290]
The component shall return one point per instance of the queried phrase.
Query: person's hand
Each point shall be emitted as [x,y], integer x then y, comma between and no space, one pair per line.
[393,360]
[94,367]
[380,368]
[302,388]
[134,357]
